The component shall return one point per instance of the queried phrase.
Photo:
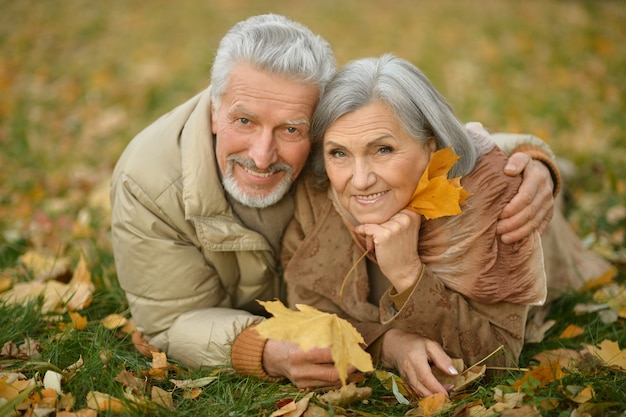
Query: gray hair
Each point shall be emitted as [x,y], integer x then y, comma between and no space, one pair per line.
[420,108]
[275,44]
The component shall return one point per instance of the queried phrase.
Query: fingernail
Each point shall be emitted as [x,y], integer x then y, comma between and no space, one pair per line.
[453,370]
[449,387]
[510,167]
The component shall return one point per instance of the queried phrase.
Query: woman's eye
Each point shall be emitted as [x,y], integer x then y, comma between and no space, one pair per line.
[338,154]
[385,150]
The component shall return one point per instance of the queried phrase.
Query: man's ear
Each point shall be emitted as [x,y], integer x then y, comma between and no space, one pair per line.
[213,119]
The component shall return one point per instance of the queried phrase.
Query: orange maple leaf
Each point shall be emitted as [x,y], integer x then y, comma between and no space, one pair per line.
[546,373]
[572,331]
[436,195]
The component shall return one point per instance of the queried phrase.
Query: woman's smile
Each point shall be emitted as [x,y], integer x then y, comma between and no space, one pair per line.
[369,198]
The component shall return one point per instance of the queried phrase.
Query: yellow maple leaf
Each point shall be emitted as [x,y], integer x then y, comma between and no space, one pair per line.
[610,354]
[580,395]
[436,195]
[310,328]
[113,321]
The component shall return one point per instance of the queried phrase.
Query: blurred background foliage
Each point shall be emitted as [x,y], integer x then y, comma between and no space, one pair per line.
[79,78]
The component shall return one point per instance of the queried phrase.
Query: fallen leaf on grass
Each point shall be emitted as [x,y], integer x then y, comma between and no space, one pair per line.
[615,297]
[159,370]
[27,350]
[113,321]
[507,400]
[524,411]
[317,411]
[542,374]
[8,406]
[568,358]
[193,383]
[602,280]
[610,354]
[5,283]
[78,322]
[128,379]
[142,345]
[571,331]
[52,380]
[465,378]
[45,267]
[396,385]
[161,397]
[104,402]
[310,328]
[79,413]
[293,408]
[57,296]
[580,395]
[12,384]
[345,395]
[431,405]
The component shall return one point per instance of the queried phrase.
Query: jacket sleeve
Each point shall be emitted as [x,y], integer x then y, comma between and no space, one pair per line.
[465,328]
[174,295]
[534,147]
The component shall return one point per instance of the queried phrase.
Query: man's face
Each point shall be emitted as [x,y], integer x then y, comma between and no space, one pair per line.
[262,134]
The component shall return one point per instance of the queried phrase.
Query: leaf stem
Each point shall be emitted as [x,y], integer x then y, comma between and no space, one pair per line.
[343,284]
[498,349]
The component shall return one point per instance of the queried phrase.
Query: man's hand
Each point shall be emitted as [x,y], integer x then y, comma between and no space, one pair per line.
[532,208]
[311,369]
[411,355]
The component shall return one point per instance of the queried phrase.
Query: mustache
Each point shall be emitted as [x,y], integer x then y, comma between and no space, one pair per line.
[249,164]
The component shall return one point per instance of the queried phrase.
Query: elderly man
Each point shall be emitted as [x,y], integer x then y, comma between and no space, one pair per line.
[202,196]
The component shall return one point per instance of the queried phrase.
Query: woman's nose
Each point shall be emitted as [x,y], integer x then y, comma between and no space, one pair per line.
[362,175]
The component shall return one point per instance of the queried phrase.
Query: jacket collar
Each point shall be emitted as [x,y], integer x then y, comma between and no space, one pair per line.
[203,195]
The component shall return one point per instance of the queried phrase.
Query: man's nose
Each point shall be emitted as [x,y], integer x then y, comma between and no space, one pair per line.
[263,150]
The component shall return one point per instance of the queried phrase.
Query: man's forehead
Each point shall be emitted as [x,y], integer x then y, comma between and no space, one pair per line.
[241,111]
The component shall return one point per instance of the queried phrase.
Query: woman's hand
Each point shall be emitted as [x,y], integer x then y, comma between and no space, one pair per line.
[411,355]
[395,243]
[532,207]
[310,369]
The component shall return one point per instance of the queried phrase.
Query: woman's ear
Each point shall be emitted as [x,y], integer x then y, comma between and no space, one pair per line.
[432,145]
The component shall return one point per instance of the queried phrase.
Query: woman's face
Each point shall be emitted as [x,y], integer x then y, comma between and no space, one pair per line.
[372,163]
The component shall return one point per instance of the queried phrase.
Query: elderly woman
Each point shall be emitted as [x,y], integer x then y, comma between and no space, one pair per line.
[428,290]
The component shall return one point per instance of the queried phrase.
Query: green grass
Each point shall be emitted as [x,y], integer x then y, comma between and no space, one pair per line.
[78,79]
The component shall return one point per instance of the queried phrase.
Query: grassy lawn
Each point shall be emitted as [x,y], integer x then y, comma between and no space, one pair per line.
[78,79]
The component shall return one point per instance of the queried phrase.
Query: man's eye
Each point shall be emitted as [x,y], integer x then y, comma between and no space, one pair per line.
[292,130]
[243,120]
[338,154]
[385,150]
